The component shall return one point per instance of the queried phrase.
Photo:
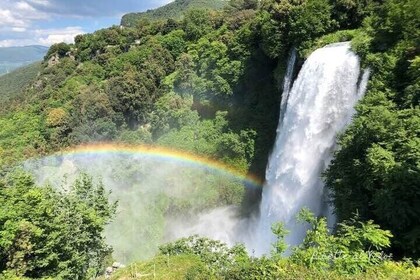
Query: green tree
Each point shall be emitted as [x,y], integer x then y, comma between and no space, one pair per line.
[280,246]
[354,248]
[350,13]
[174,42]
[292,23]
[236,5]
[197,23]
[60,49]
[128,94]
[376,171]
[48,233]
[217,256]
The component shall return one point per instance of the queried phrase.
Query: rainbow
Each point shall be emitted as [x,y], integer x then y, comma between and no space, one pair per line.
[161,153]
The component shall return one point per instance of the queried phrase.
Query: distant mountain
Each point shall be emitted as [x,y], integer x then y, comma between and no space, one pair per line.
[15,57]
[12,84]
[174,9]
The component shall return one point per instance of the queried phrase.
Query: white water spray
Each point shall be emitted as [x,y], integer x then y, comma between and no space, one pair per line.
[319,106]
[287,84]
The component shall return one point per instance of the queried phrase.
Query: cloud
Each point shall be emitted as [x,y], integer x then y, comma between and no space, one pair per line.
[44,37]
[19,13]
[93,8]
[45,22]
[18,29]
[7,18]
[53,36]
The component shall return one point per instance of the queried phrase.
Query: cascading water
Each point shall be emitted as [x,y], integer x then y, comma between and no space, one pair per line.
[287,83]
[318,107]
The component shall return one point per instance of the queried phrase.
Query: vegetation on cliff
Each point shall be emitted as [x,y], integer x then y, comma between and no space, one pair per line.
[173,10]
[209,83]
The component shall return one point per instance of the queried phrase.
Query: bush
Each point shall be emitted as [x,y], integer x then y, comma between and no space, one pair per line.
[47,233]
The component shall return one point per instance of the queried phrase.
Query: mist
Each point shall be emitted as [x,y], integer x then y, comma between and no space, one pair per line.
[158,200]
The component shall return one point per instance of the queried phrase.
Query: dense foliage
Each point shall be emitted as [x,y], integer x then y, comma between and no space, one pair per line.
[354,252]
[377,170]
[208,83]
[203,84]
[53,233]
[12,84]
[173,10]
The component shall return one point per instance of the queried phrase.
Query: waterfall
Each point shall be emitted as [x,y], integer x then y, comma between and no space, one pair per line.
[287,83]
[318,107]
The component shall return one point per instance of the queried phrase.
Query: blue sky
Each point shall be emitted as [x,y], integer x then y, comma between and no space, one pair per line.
[45,22]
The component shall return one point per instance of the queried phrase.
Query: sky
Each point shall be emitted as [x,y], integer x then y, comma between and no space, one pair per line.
[45,22]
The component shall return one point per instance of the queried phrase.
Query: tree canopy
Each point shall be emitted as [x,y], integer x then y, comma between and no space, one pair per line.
[45,232]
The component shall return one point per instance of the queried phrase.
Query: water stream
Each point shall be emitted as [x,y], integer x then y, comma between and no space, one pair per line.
[318,107]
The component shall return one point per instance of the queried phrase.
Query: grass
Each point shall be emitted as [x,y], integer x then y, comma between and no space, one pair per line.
[188,267]
[159,268]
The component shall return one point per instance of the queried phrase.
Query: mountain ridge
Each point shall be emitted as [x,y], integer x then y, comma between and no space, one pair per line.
[173,9]
[12,84]
[14,57]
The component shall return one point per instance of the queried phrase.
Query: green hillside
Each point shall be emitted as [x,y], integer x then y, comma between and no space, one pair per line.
[13,83]
[208,84]
[174,10]
[15,57]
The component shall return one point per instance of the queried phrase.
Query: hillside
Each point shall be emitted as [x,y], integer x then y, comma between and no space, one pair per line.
[13,83]
[173,10]
[203,92]
[15,57]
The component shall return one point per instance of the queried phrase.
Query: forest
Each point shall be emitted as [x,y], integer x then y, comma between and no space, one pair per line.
[209,83]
